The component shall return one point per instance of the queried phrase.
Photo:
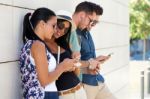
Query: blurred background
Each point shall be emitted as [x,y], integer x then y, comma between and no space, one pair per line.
[139,11]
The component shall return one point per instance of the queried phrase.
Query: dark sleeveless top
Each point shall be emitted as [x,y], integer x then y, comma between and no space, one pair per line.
[68,79]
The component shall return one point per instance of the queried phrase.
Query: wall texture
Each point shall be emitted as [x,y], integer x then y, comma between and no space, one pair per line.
[110,35]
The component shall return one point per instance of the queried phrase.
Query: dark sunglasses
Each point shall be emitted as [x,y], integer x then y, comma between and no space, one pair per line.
[92,22]
[61,26]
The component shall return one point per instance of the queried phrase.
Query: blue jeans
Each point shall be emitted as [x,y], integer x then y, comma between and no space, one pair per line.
[92,79]
[51,95]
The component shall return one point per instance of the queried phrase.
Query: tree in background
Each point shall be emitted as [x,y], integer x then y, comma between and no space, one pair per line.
[140,21]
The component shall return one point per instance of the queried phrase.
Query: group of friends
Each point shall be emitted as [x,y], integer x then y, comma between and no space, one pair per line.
[57,49]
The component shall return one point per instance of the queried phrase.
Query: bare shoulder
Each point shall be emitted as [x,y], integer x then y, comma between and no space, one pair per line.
[38,44]
[37,47]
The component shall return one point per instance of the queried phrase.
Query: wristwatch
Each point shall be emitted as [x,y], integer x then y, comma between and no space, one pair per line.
[90,64]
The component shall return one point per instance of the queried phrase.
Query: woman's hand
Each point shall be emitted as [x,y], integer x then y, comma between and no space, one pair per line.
[68,64]
[76,55]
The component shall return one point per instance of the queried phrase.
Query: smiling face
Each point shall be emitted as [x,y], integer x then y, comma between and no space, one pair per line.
[62,28]
[50,27]
[45,30]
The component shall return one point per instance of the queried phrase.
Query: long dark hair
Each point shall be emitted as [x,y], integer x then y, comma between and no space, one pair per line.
[63,41]
[29,24]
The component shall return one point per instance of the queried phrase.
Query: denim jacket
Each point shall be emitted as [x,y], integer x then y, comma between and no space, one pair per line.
[88,51]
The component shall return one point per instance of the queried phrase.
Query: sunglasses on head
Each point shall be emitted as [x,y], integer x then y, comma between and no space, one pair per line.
[61,26]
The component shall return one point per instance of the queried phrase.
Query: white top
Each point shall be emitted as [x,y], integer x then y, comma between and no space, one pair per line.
[51,67]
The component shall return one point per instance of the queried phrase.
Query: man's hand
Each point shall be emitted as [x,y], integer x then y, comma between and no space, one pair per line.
[102,59]
[93,63]
[94,71]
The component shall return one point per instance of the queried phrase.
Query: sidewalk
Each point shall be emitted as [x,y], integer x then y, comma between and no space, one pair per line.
[135,79]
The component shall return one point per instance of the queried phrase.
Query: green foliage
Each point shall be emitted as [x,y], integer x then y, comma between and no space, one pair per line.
[140,19]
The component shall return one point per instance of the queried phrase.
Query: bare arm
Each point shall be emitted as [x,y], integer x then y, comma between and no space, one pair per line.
[39,54]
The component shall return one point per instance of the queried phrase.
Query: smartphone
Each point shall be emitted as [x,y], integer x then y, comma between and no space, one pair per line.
[110,54]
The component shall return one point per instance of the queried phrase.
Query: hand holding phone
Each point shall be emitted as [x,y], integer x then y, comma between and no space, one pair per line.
[77,64]
[104,58]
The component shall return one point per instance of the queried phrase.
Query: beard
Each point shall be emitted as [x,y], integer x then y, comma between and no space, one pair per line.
[85,30]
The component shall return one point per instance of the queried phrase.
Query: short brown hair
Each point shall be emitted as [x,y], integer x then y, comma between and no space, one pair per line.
[89,7]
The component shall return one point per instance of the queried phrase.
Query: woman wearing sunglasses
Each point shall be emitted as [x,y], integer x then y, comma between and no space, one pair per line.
[68,84]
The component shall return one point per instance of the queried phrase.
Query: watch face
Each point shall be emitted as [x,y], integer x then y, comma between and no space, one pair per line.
[91,67]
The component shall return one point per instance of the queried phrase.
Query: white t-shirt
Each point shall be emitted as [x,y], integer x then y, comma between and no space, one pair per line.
[51,67]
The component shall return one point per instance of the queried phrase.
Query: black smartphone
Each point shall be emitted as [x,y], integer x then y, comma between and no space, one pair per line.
[110,54]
